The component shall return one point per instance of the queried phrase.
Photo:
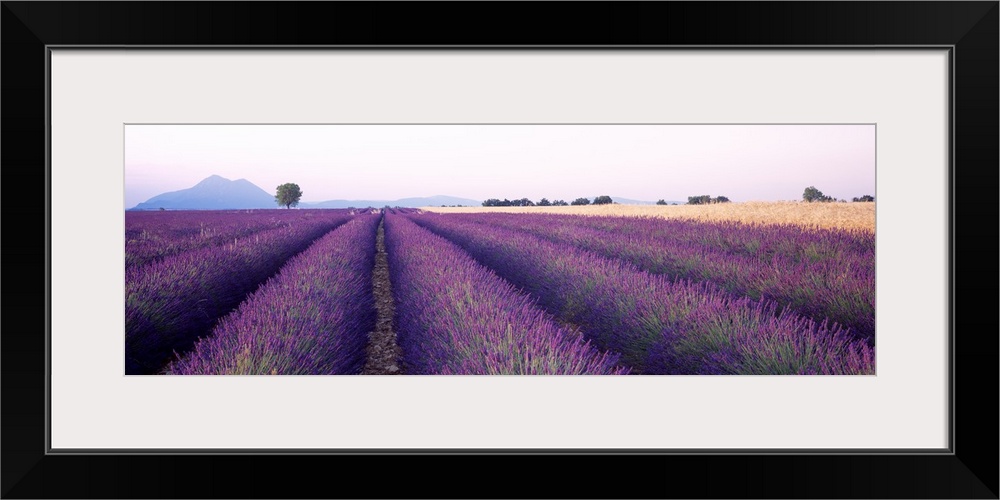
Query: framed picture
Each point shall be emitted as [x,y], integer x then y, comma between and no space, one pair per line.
[82,78]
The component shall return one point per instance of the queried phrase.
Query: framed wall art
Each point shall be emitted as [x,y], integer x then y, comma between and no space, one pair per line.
[111,107]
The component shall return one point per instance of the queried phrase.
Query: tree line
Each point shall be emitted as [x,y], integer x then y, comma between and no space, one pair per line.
[544,202]
[811,194]
[706,200]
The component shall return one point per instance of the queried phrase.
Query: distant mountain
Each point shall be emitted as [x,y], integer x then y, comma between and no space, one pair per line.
[213,193]
[429,201]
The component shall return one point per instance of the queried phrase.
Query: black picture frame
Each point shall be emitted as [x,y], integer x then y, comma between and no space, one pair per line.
[968,470]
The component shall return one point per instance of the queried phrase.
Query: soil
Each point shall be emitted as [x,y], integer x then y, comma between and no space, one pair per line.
[384,354]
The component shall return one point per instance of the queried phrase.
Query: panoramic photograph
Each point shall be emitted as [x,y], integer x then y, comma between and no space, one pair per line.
[499,249]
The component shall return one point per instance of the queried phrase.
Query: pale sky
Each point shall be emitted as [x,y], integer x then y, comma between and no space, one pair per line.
[388,162]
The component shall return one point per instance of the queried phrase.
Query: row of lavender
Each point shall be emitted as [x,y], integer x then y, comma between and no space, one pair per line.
[454,316]
[658,325]
[312,318]
[171,302]
[823,274]
[153,235]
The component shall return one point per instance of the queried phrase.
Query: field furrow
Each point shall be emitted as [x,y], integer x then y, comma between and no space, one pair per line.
[384,356]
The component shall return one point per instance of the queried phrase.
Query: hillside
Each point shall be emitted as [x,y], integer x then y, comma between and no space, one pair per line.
[212,193]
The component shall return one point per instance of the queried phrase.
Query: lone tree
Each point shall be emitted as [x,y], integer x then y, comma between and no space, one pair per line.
[288,195]
[580,201]
[661,202]
[603,200]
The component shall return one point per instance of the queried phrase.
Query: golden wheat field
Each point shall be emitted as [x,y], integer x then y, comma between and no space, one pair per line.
[852,216]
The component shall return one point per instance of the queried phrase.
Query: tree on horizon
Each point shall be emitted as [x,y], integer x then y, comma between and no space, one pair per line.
[288,195]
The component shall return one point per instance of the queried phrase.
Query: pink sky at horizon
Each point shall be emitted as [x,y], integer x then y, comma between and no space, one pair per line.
[389,162]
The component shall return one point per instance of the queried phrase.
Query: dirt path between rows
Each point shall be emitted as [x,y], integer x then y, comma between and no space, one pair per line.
[383,352]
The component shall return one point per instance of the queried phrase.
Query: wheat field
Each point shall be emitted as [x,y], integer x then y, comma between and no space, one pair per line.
[851,216]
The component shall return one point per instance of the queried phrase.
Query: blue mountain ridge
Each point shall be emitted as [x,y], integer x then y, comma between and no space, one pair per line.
[212,193]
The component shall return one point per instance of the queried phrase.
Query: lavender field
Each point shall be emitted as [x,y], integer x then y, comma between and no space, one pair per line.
[299,292]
